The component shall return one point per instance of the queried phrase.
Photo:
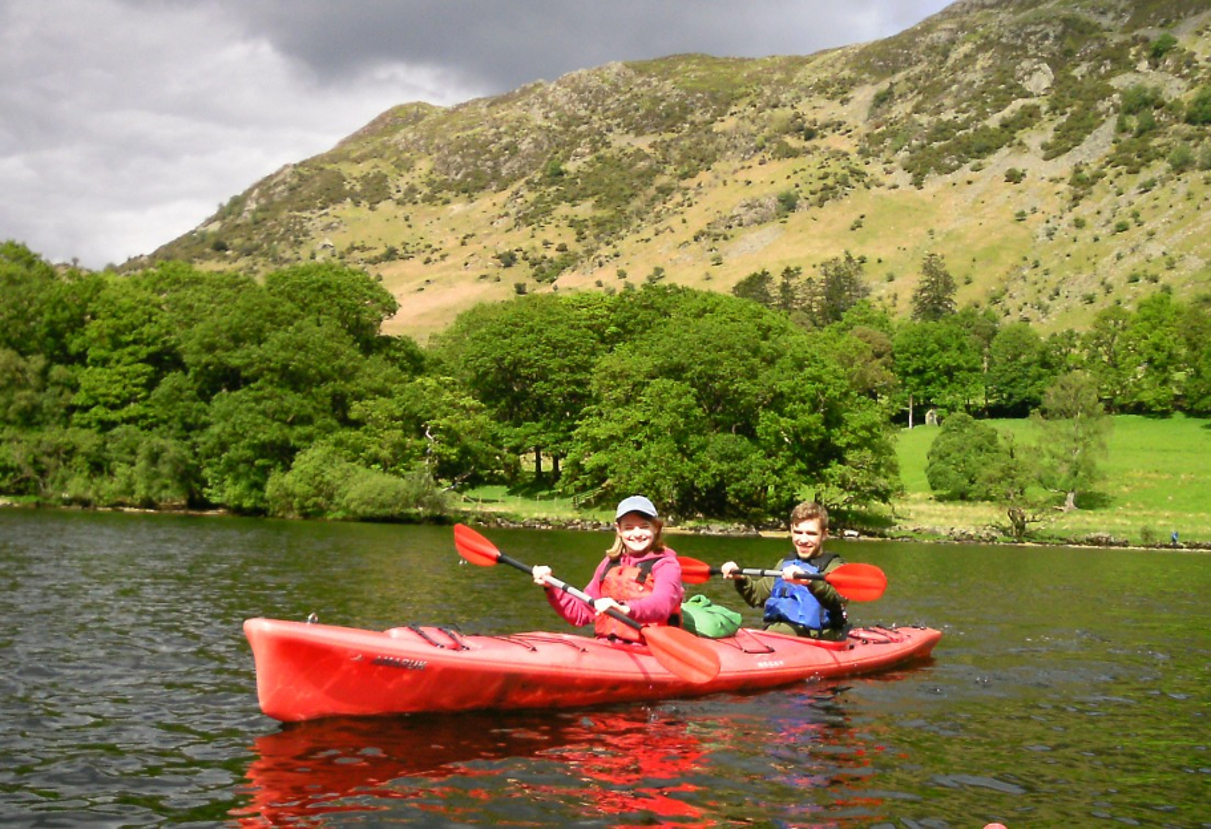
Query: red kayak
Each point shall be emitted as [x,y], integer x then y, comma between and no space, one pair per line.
[306,671]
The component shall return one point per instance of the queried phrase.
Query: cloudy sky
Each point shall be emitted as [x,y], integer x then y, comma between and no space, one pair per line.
[125,123]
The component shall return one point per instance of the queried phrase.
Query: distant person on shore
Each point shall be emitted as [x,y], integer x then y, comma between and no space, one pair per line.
[1173,539]
[814,608]
[639,577]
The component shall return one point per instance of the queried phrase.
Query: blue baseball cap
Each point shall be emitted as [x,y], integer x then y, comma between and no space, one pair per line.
[636,503]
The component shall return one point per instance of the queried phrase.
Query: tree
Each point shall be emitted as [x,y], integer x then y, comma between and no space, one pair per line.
[758,286]
[790,289]
[530,362]
[1017,373]
[939,365]
[1073,436]
[959,458]
[724,408]
[1108,357]
[827,439]
[1195,327]
[253,433]
[1008,480]
[1157,354]
[934,297]
[867,357]
[841,287]
[129,345]
[431,421]
[351,299]
[650,439]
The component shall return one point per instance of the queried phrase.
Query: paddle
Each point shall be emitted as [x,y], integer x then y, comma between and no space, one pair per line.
[856,582]
[678,651]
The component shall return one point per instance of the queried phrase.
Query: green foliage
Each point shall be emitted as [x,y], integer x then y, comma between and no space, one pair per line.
[721,408]
[950,145]
[757,287]
[1162,46]
[939,365]
[1139,98]
[1018,370]
[1073,130]
[346,297]
[933,298]
[323,483]
[960,459]
[529,361]
[1136,357]
[788,200]
[186,388]
[841,286]
[1073,436]
[1198,110]
[175,387]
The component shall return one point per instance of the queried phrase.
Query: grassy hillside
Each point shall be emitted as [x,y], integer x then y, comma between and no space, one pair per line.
[1055,152]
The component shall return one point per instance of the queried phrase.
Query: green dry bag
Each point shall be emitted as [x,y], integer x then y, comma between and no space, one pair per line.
[701,616]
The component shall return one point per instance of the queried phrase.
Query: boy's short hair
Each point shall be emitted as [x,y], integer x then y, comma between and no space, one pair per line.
[809,511]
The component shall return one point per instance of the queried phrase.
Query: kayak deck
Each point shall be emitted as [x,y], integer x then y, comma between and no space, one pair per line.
[307,671]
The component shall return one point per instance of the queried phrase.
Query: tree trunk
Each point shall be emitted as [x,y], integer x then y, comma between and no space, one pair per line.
[1017,522]
[537,463]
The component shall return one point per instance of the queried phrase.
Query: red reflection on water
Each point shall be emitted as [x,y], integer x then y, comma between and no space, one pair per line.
[796,755]
[636,764]
[624,762]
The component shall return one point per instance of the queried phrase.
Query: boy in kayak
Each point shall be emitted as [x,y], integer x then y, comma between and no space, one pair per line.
[813,608]
[639,577]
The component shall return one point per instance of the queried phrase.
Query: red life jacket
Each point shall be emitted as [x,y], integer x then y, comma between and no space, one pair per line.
[622,584]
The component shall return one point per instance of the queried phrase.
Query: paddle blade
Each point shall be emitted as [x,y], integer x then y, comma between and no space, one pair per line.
[858,582]
[682,653]
[694,571]
[474,547]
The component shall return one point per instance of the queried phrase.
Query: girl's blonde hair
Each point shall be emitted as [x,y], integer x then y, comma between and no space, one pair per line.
[615,551]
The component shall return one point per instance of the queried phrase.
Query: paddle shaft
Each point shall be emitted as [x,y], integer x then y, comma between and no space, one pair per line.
[559,584]
[756,571]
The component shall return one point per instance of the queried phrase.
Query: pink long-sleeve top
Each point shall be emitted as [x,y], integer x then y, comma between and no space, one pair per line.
[664,600]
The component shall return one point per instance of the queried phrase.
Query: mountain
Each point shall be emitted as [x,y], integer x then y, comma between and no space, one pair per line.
[1056,153]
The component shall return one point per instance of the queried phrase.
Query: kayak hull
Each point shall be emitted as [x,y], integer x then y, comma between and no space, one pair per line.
[307,671]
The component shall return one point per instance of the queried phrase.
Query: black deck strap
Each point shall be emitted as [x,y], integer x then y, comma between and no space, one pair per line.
[459,644]
[504,637]
[890,634]
[765,646]
[419,631]
[555,639]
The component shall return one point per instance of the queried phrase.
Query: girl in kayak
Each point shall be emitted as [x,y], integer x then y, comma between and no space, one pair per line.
[639,577]
[812,608]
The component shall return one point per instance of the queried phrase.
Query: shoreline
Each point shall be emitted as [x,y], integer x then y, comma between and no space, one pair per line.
[913,535]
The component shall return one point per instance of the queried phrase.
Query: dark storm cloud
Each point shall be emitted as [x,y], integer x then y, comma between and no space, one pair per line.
[124,123]
[502,45]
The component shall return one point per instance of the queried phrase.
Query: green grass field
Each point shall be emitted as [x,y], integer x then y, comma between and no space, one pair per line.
[1158,479]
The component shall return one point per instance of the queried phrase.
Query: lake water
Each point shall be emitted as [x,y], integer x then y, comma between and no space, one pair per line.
[1071,687]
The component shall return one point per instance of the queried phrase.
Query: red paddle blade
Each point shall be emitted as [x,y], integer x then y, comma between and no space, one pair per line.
[682,653]
[474,547]
[858,582]
[694,571]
